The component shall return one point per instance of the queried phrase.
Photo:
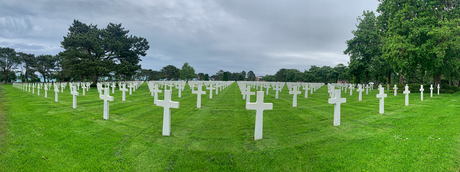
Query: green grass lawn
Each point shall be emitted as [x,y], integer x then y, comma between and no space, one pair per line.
[38,134]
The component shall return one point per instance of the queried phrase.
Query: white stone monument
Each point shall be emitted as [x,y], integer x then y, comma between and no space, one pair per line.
[431,90]
[259,106]
[248,94]
[367,89]
[381,96]
[75,94]
[395,89]
[84,88]
[294,93]
[360,91]
[306,88]
[199,92]
[421,92]
[56,91]
[46,90]
[167,104]
[337,100]
[277,89]
[210,88]
[438,89]
[106,97]
[406,92]
[123,89]
[155,92]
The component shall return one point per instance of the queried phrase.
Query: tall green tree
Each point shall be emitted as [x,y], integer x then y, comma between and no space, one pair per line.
[251,76]
[364,48]
[187,72]
[90,51]
[420,35]
[171,72]
[45,65]
[9,60]
[200,76]
[225,76]
[28,65]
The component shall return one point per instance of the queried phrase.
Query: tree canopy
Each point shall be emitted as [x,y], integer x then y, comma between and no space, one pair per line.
[93,52]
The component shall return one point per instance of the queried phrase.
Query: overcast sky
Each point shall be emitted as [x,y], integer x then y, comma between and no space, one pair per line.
[232,35]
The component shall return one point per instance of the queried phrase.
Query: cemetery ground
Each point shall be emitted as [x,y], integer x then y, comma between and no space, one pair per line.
[38,134]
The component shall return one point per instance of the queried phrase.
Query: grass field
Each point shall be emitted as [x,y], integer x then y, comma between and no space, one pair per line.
[38,134]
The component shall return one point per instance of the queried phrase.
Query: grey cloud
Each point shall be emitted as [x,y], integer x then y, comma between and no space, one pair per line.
[263,36]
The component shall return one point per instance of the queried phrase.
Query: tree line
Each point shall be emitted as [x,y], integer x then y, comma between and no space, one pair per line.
[411,39]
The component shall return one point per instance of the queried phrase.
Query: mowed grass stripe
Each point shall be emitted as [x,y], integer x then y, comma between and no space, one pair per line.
[41,134]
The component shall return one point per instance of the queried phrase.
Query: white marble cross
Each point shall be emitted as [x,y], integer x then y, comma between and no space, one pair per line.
[46,90]
[131,88]
[438,89]
[210,88]
[113,88]
[33,88]
[306,88]
[351,89]
[277,89]
[75,94]
[106,97]
[180,87]
[84,88]
[267,86]
[199,92]
[381,96]
[38,89]
[337,100]
[167,104]
[395,89]
[421,92]
[248,93]
[431,90]
[259,106]
[56,91]
[367,89]
[123,89]
[29,87]
[294,92]
[406,92]
[155,92]
[360,91]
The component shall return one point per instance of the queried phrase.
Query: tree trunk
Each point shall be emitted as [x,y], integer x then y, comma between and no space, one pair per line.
[6,74]
[400,78]
[437,79]
[95,78]
[450,81]
[389,77]
[423,80]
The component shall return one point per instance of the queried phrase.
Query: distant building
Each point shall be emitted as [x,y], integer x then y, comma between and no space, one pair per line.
[259,78]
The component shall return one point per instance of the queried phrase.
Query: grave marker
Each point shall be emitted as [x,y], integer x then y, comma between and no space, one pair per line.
[106,97]
[75,94]
[395,89]
[123,89]
[167,104]
[259,106]
[431,90]
[406,92]
[421,92]
[381,96]
[360,90]
[337,100]
[199,92]
[294,93]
